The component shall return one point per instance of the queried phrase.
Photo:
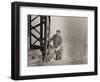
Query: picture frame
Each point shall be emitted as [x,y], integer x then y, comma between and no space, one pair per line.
[16,38]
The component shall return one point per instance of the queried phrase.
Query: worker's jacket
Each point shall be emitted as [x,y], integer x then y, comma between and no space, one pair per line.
[57,40]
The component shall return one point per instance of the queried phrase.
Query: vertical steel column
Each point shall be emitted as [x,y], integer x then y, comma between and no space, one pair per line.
[48,28]
[29,29]
[44,26]
[41,31]
[45,35]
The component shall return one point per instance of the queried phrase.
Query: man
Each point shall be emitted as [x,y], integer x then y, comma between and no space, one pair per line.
[57,44]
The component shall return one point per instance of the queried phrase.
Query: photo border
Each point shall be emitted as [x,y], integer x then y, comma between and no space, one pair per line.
[15,40]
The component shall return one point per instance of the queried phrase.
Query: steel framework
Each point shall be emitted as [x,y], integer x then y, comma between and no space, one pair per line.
[43,26]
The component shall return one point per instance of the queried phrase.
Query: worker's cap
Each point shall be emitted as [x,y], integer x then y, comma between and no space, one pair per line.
[58,31]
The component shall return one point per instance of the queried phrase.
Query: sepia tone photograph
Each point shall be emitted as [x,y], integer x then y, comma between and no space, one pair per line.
[53,40]
[57,40]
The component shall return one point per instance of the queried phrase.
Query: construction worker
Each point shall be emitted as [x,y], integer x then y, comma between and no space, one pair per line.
[57,44]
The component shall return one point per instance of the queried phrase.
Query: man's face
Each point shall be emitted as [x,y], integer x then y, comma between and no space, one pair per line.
[58,33]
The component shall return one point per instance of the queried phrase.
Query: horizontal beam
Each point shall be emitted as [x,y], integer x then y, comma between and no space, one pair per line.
[36,47]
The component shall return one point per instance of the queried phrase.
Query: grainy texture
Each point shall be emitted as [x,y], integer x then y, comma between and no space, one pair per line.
[74,41]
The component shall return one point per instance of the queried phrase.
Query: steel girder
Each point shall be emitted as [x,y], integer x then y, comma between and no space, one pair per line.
[39,32]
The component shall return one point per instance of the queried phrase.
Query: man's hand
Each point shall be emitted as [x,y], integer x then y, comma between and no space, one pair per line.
[57,48]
